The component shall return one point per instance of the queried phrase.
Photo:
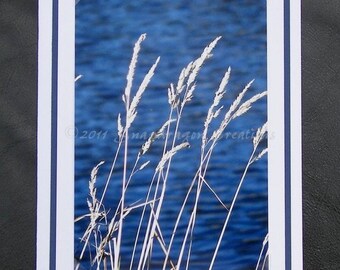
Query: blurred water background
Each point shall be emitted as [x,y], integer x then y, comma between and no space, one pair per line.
[177,31]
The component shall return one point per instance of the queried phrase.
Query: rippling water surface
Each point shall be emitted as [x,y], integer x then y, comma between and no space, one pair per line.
[177,31]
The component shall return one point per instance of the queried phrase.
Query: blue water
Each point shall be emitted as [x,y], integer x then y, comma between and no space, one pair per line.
[177,31]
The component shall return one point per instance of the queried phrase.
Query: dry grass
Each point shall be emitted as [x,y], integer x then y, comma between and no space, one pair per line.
[105,235]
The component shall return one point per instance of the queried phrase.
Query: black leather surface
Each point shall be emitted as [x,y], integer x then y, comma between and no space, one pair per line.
[18,82]
[321,133]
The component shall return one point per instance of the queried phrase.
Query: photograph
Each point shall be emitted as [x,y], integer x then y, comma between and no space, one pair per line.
[170,134]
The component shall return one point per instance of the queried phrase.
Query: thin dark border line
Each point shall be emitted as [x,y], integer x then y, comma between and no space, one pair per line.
[287,135]
[54,130]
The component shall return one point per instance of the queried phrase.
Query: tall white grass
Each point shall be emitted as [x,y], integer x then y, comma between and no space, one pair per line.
[103,236]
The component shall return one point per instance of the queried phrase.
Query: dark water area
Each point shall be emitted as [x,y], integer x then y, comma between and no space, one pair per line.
[177,31]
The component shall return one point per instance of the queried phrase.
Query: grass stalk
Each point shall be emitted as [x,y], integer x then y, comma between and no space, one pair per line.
[259,136]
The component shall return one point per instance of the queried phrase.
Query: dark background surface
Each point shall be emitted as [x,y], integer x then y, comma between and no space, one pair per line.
[18,84]
[321,129]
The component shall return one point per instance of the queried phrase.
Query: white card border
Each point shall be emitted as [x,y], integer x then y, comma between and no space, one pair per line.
[56,24]
[275,82]
[44,133]
[296,134]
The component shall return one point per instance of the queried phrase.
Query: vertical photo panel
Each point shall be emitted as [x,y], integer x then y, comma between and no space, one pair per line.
[171,135]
